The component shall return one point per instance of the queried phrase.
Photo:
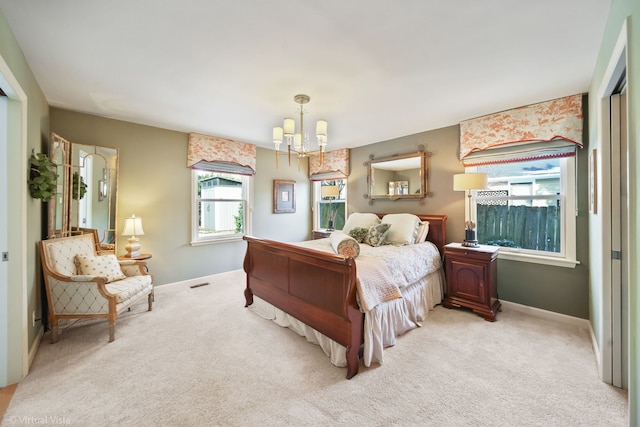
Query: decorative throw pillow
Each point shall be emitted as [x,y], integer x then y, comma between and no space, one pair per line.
[359,233]
[377,234]
[344,244]
[103,266]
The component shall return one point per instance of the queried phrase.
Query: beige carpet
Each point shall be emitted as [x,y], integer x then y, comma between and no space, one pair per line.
[201,359]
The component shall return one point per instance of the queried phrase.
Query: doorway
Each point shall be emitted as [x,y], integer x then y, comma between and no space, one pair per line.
[619,237]
[14,359]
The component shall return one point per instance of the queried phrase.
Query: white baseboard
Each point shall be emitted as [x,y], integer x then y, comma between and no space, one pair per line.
[562,318]
[546,314]
[36,345]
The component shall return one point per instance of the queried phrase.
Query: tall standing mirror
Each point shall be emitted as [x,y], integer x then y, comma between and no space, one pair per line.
[398,177]
[86,197]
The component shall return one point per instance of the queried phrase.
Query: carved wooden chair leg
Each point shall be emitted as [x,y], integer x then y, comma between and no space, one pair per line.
[150,297]
[54,333]
[112,330]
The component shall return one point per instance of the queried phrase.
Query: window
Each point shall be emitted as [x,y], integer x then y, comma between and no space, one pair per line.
[330,208]
[220,206]
[528,210]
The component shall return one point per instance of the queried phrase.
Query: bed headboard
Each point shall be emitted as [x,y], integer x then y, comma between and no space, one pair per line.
[437,229]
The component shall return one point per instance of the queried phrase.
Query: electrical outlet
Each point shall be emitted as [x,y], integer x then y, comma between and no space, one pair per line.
[33,318]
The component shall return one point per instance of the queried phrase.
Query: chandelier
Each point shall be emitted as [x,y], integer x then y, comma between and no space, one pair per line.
[298,143]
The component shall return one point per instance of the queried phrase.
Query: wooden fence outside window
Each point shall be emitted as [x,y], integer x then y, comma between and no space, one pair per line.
[526,227]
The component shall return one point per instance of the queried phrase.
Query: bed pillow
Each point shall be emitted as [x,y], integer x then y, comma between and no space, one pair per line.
[102,265]
[344,245]
[377,234]
[358,233]
[404,228]
[357,219]
[423,231]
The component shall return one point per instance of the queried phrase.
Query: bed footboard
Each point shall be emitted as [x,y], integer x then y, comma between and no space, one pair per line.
[317,288]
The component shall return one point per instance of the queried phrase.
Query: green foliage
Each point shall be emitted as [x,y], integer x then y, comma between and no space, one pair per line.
[238,218]
[501,242]
[42,177]
[78,181]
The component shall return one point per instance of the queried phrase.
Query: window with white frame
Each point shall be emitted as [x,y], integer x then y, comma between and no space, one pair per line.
[331,204]
[219,206]
[529,209]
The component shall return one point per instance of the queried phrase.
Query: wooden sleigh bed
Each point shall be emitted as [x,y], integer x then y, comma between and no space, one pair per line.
[317,288]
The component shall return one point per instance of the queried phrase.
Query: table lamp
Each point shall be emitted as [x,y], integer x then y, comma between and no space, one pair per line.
[330,192]
[467,182]
[133,228]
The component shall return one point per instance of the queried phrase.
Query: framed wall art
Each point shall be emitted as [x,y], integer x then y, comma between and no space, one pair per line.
[284,197]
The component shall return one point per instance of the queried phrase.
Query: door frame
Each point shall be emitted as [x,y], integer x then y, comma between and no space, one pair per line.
[15,358]
[608,350]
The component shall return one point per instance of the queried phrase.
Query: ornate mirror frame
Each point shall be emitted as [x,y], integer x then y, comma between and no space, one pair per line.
[397,177]
[86,196]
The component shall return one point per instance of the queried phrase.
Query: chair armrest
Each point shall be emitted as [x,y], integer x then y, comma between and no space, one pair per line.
[133,268]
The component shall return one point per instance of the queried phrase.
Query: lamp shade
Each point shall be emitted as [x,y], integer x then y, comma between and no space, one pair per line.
[289,126]
[133,226]
[330,191]
[470,181]
[277,134]
[321,128]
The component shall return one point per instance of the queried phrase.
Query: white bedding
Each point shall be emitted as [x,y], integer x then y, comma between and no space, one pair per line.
[417,274]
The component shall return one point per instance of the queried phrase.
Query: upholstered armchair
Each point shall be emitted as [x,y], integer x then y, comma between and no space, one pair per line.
[83,284]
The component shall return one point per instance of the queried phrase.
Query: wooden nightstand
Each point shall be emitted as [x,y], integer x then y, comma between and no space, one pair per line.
[472,280]
[320,234]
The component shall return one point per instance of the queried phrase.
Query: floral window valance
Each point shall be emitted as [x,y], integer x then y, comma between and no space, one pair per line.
[334,166]
[220,155]
[559,119]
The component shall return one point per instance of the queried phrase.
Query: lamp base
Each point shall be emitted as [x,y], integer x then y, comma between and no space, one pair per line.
[133,248]
[330,225]
[470,238]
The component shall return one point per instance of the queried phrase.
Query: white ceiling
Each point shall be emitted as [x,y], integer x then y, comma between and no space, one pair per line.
[375,69]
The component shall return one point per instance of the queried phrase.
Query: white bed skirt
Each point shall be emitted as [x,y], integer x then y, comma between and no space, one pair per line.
[382,325]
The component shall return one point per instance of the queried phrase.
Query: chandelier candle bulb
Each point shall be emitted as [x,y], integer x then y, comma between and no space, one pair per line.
[289,127]
[277,136]
[321,130]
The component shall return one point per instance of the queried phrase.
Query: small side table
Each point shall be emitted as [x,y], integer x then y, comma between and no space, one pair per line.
[140,257]
[321,234]
[472,279]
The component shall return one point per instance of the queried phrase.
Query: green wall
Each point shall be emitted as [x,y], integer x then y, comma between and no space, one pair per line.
[559,289]
[154,183]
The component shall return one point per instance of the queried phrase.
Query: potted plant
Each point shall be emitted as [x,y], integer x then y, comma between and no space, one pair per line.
[43,177]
